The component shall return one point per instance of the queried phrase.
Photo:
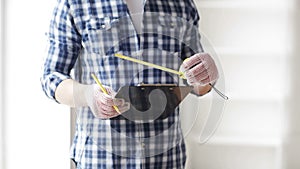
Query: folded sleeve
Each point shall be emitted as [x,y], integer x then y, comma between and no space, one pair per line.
[63,48]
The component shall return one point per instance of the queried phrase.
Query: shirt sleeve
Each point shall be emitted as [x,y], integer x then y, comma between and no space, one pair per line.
[63,48]
[192,38]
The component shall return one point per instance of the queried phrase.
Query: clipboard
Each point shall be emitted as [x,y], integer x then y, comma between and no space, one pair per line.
[152,101]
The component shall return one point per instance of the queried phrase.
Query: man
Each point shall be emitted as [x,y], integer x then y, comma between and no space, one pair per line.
[84,36]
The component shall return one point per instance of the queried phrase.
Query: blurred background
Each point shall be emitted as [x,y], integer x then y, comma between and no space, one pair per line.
[257,42]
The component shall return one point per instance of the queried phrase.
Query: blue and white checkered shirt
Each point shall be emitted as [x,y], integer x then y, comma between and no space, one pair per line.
[84,36]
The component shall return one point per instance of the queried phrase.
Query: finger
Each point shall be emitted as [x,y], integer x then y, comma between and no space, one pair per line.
[190,62]
[196,70]
[118,101]
[206,81]
[201,76]
[125,107]
[105,99]
[113,112]
[202,81]
[110,91]
[105,108]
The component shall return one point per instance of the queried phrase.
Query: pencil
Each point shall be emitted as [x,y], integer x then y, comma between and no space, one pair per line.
[103,89]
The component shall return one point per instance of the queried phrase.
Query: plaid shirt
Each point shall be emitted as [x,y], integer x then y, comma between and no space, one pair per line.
[84,36]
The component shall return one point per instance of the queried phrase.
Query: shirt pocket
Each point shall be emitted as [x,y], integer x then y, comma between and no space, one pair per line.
[171,32]
[107,35]
[102,39]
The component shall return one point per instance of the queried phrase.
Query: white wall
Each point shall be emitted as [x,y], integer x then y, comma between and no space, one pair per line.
[36,130]
[291,147]
[1,85]
[252,38]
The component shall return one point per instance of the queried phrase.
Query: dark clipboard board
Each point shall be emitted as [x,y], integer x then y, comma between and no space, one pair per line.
[151,102]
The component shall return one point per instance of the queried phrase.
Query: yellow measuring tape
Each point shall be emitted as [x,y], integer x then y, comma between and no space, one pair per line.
[181,75]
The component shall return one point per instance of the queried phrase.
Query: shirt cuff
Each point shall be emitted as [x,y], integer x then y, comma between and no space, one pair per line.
[50,83]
